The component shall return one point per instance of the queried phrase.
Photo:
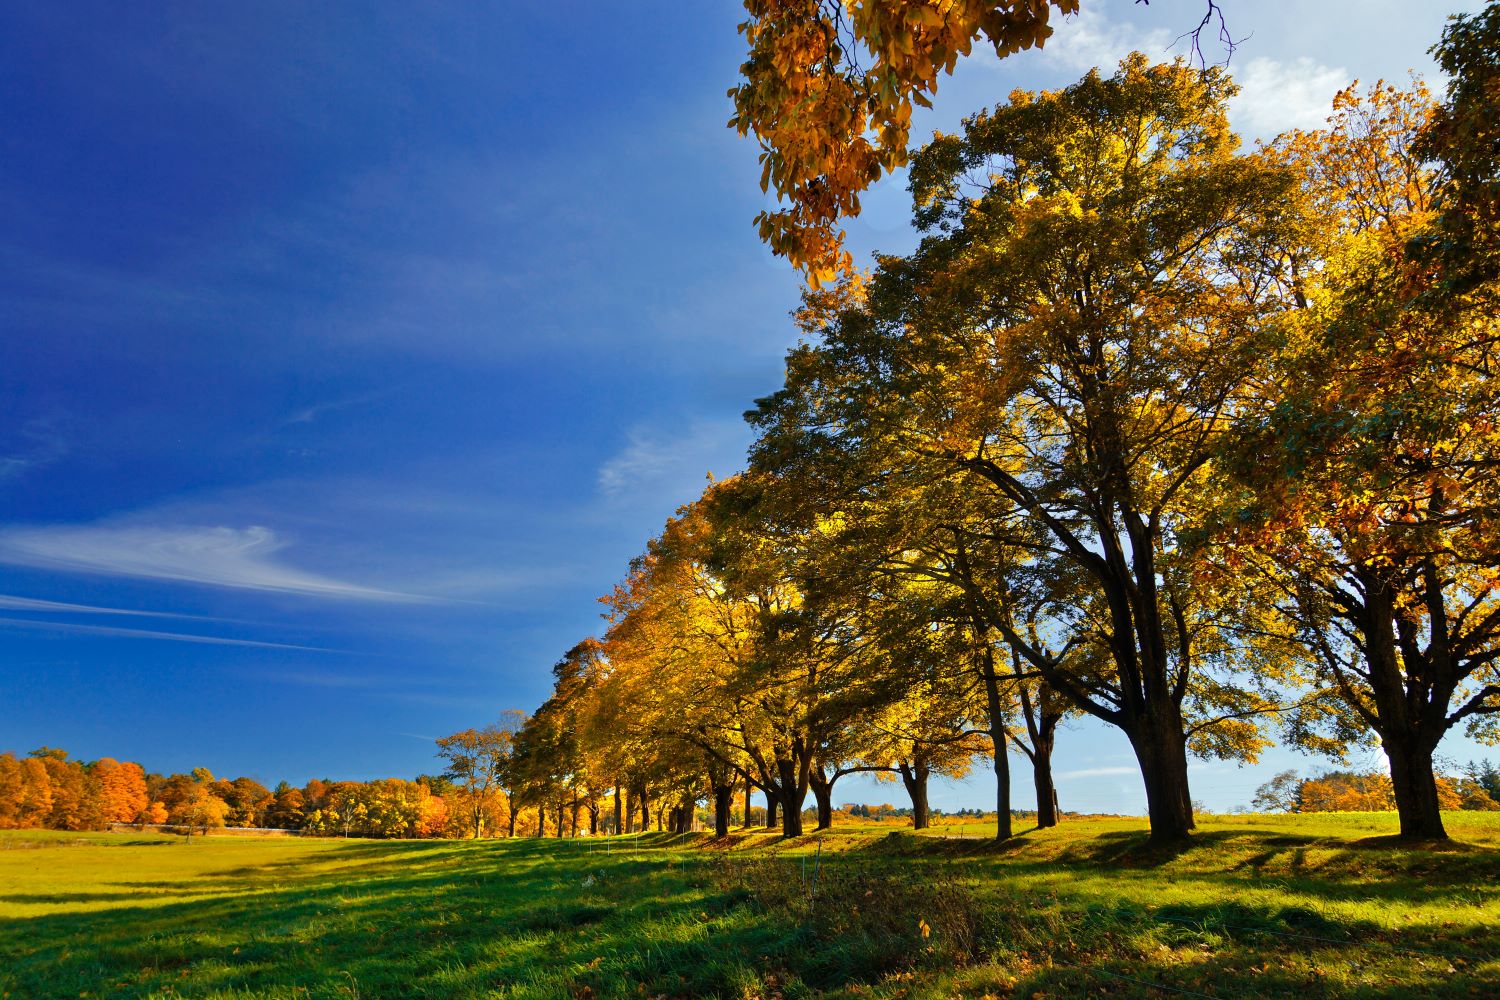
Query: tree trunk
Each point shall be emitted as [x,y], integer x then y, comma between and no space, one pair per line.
[1041,727]
[1399,718]
[1161,750]
[1415,786]
[915,780]
[723,800]
[617,809]
[771,816]
[510,816]
[998,740]
[1003,828]
[541,821]
[1043,739]
[792,796]
[746,824]
[645,801]
[822,794]
[1046,791]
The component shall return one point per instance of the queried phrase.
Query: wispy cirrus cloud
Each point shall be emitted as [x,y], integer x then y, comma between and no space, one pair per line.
[398,689]
[315,411]
[10,602]
[245,558]
[141,633]
[38,443]
[654,460]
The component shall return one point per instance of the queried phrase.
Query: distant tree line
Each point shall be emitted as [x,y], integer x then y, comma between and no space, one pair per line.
[1476,788]
[48,790]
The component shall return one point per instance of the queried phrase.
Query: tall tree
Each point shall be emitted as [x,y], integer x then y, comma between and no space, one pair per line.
[1370,470]
[122,789]
[476,760]
[1068,346]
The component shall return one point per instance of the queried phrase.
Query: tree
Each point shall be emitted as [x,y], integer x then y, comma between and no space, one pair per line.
[476,760]
[122,789]
[1345,791]
[822,659]
[197,808]
[25,792]
[1369,471]
[932,730]
[1464,138]
[828,89]
[1485,775]
[1068,348]
[1280,794]
[729,665]
[682,645]
[248,800]
[901,536]
[286,809]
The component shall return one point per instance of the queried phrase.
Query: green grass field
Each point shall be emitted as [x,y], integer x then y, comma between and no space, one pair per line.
[1319,906]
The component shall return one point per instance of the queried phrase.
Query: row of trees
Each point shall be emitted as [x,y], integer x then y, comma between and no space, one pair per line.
[1195,441]
[48,790]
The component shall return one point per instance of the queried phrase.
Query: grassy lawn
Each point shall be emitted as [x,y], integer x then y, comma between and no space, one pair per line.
[1318,906]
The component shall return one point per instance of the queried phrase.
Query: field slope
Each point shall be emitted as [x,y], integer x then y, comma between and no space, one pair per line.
[1254,907]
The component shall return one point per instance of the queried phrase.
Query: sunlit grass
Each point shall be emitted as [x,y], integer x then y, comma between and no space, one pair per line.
[1254,906]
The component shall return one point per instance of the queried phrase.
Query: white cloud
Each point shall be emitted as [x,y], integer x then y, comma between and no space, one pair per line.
[312,413]
[12,603]
[141,633]
[654,460]
[1275,96]
[1092,39]
[41,444]
[244,558]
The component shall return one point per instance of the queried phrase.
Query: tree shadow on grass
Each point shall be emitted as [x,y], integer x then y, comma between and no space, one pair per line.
[530,918]
[40,898]
[612,923]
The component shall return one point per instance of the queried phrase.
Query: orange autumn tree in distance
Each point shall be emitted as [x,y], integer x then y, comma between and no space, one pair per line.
[828,88]
[48,790]
[122,787]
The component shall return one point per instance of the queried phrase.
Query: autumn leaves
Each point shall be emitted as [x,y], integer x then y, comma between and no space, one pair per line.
[1194,440]
[828,89]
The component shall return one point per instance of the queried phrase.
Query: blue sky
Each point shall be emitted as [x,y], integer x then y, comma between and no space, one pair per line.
[349,351]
